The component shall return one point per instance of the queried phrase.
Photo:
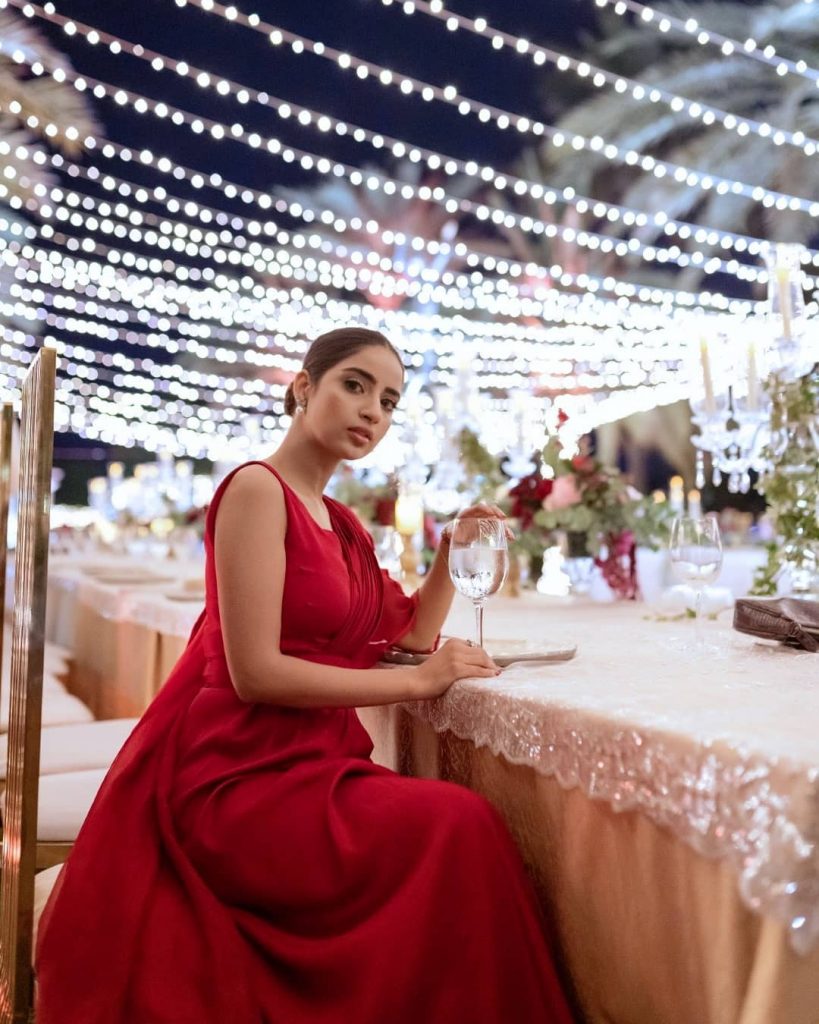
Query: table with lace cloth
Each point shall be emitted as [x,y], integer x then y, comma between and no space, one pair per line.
[125,637]
[666,803]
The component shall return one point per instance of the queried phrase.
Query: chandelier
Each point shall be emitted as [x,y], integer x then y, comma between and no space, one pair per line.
[741,365]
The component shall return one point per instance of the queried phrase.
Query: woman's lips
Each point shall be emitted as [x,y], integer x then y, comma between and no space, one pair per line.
[360,435]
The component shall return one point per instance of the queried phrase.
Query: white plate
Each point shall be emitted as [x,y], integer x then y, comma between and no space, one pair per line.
[131,579]
[189,596]
[503,652]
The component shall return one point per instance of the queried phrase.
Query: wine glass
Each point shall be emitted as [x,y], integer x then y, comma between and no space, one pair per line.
[696,557]
[478,560]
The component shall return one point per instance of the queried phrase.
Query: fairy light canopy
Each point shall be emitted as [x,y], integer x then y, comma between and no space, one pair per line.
[209,207]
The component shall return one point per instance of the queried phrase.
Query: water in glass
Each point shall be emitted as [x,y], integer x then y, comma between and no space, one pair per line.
[478,561]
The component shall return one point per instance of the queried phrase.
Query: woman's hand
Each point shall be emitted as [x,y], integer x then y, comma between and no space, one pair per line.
[456,659]
[480,511]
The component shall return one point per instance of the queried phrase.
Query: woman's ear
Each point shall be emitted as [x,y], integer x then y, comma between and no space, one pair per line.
[301,388]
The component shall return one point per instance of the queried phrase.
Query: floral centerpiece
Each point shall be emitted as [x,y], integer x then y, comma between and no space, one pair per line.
[373,502]
[602,514]
[522,504]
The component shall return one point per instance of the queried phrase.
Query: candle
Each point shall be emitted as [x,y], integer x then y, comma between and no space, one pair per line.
[783,286]
[753,378]
[409,514]
[694,504]
[676,494]
[658,497]
[707,379]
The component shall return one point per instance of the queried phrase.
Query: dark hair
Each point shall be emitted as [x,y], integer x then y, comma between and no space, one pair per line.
[330,348]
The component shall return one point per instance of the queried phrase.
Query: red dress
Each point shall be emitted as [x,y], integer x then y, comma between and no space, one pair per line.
[249,863]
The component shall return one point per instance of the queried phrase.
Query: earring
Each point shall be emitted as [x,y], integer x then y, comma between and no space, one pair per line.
[301,406]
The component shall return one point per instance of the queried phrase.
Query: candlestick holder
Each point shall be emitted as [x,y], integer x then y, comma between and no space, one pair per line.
[409,521]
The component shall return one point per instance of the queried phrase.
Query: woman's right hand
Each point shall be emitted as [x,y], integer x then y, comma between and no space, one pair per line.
[456,659]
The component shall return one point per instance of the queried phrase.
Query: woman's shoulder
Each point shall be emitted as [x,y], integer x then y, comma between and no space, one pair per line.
[251,484]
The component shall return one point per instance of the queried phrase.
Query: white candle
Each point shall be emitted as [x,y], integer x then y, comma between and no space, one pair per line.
[783,284]
[707,379]
[676,493]
[694,504]
[753,378]
[409,515]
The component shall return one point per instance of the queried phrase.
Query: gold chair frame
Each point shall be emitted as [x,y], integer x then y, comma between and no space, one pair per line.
[26,683]
[6,427]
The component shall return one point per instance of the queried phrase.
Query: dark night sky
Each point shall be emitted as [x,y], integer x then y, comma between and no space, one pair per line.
[418,46]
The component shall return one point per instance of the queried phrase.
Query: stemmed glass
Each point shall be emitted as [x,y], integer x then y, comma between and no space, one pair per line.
[696,558]
[478,561]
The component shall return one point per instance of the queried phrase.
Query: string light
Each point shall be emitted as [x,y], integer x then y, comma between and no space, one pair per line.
[558,363]
[613,213]
[378,181]
[505,119]
[600,78]
[435,160]
[750,48]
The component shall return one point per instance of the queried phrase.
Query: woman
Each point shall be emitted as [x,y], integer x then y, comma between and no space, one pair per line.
[245,861]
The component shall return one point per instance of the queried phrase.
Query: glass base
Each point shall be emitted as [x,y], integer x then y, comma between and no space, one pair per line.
[580,571]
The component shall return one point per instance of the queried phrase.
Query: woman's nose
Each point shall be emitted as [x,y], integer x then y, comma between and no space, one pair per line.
[372,410]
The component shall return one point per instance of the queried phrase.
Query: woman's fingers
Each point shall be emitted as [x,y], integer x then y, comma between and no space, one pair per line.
[475,659]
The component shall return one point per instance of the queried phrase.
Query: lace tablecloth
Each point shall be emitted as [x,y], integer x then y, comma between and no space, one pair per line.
[723,750]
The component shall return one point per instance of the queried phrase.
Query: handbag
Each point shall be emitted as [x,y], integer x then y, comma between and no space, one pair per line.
[788,619]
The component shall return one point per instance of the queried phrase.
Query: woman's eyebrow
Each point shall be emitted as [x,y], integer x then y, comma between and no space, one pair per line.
[369,377]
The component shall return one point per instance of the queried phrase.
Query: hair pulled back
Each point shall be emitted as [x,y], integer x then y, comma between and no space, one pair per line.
[331,348]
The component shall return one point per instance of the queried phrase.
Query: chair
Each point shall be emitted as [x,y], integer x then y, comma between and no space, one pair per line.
[59,706]
[75,751]
[26,686]
[6,424]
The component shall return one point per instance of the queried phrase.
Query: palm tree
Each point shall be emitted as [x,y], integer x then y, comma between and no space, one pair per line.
[677,63]
[398,218]
[30,105]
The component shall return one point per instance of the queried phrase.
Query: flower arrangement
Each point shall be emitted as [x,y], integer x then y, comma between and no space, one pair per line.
[791,486]
[373,503]
[603,515]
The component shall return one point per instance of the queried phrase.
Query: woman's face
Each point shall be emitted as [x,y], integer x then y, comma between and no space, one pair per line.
[350,409]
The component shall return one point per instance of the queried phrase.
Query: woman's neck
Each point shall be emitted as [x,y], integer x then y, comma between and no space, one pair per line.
[302,466]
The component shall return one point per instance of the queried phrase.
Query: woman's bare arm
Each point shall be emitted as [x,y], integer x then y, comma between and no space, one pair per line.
[250,567]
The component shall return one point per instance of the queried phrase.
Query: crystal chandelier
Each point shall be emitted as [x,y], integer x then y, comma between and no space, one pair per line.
[741,364]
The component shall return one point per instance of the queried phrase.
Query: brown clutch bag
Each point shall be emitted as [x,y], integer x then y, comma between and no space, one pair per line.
[788,619]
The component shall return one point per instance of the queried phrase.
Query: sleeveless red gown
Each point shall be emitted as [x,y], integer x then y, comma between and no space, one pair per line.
[249,863]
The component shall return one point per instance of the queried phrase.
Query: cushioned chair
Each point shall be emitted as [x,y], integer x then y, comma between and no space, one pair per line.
[77,748]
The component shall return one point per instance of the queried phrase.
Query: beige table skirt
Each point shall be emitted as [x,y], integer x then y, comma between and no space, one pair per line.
[648,931]
[119,666]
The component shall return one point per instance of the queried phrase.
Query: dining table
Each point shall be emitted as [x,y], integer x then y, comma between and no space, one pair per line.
[664,796]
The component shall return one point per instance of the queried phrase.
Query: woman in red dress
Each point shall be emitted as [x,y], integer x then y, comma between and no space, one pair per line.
[245,861]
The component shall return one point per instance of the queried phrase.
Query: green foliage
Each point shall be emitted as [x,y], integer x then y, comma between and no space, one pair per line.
[363,497]
[791,486]
[482,469]
[604,504]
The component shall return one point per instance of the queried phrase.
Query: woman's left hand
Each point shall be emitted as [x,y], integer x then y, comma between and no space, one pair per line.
[482,510]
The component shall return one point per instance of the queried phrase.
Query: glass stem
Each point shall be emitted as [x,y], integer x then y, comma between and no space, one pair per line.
[697,617]
[479,622]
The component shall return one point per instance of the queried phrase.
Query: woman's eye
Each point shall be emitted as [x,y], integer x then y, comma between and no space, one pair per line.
[353,385]
[388,404]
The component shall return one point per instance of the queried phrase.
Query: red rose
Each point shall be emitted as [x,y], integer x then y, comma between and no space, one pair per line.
[385,511]
[527,497]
